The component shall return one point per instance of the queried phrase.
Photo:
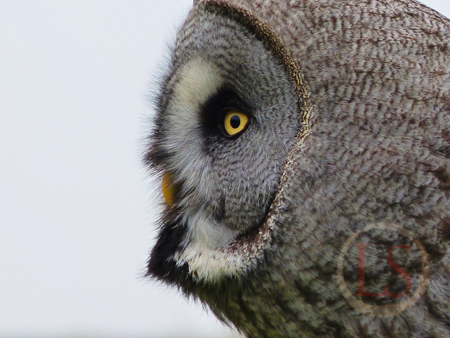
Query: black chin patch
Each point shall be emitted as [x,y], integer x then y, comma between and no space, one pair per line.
[161,264]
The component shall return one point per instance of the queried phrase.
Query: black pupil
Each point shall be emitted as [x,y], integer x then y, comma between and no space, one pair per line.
[235,121]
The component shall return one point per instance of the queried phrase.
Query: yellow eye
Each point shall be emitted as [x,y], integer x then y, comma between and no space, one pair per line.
[235,122]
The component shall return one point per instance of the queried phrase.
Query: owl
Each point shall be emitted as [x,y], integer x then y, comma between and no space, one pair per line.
[304,152]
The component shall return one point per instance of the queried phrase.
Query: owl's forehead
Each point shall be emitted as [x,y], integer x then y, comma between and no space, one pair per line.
[206,31]
[226,48]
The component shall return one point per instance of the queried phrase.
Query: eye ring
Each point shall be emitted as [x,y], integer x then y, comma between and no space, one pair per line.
[234,122]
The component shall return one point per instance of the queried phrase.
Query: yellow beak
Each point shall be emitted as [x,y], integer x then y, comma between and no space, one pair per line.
[168,189]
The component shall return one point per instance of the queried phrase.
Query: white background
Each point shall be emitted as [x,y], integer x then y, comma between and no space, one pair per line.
[76,210]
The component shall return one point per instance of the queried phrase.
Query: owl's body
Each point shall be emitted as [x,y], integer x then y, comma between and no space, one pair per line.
[348,108]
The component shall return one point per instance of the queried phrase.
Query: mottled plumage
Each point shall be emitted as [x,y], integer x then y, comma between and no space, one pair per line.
[349,125]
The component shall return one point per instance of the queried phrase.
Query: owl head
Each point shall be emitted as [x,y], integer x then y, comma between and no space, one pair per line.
[228,115]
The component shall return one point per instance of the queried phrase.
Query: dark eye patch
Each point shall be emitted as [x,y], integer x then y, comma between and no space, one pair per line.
[212,112]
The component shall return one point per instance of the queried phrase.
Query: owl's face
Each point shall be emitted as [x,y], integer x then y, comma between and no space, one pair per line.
[227,117]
